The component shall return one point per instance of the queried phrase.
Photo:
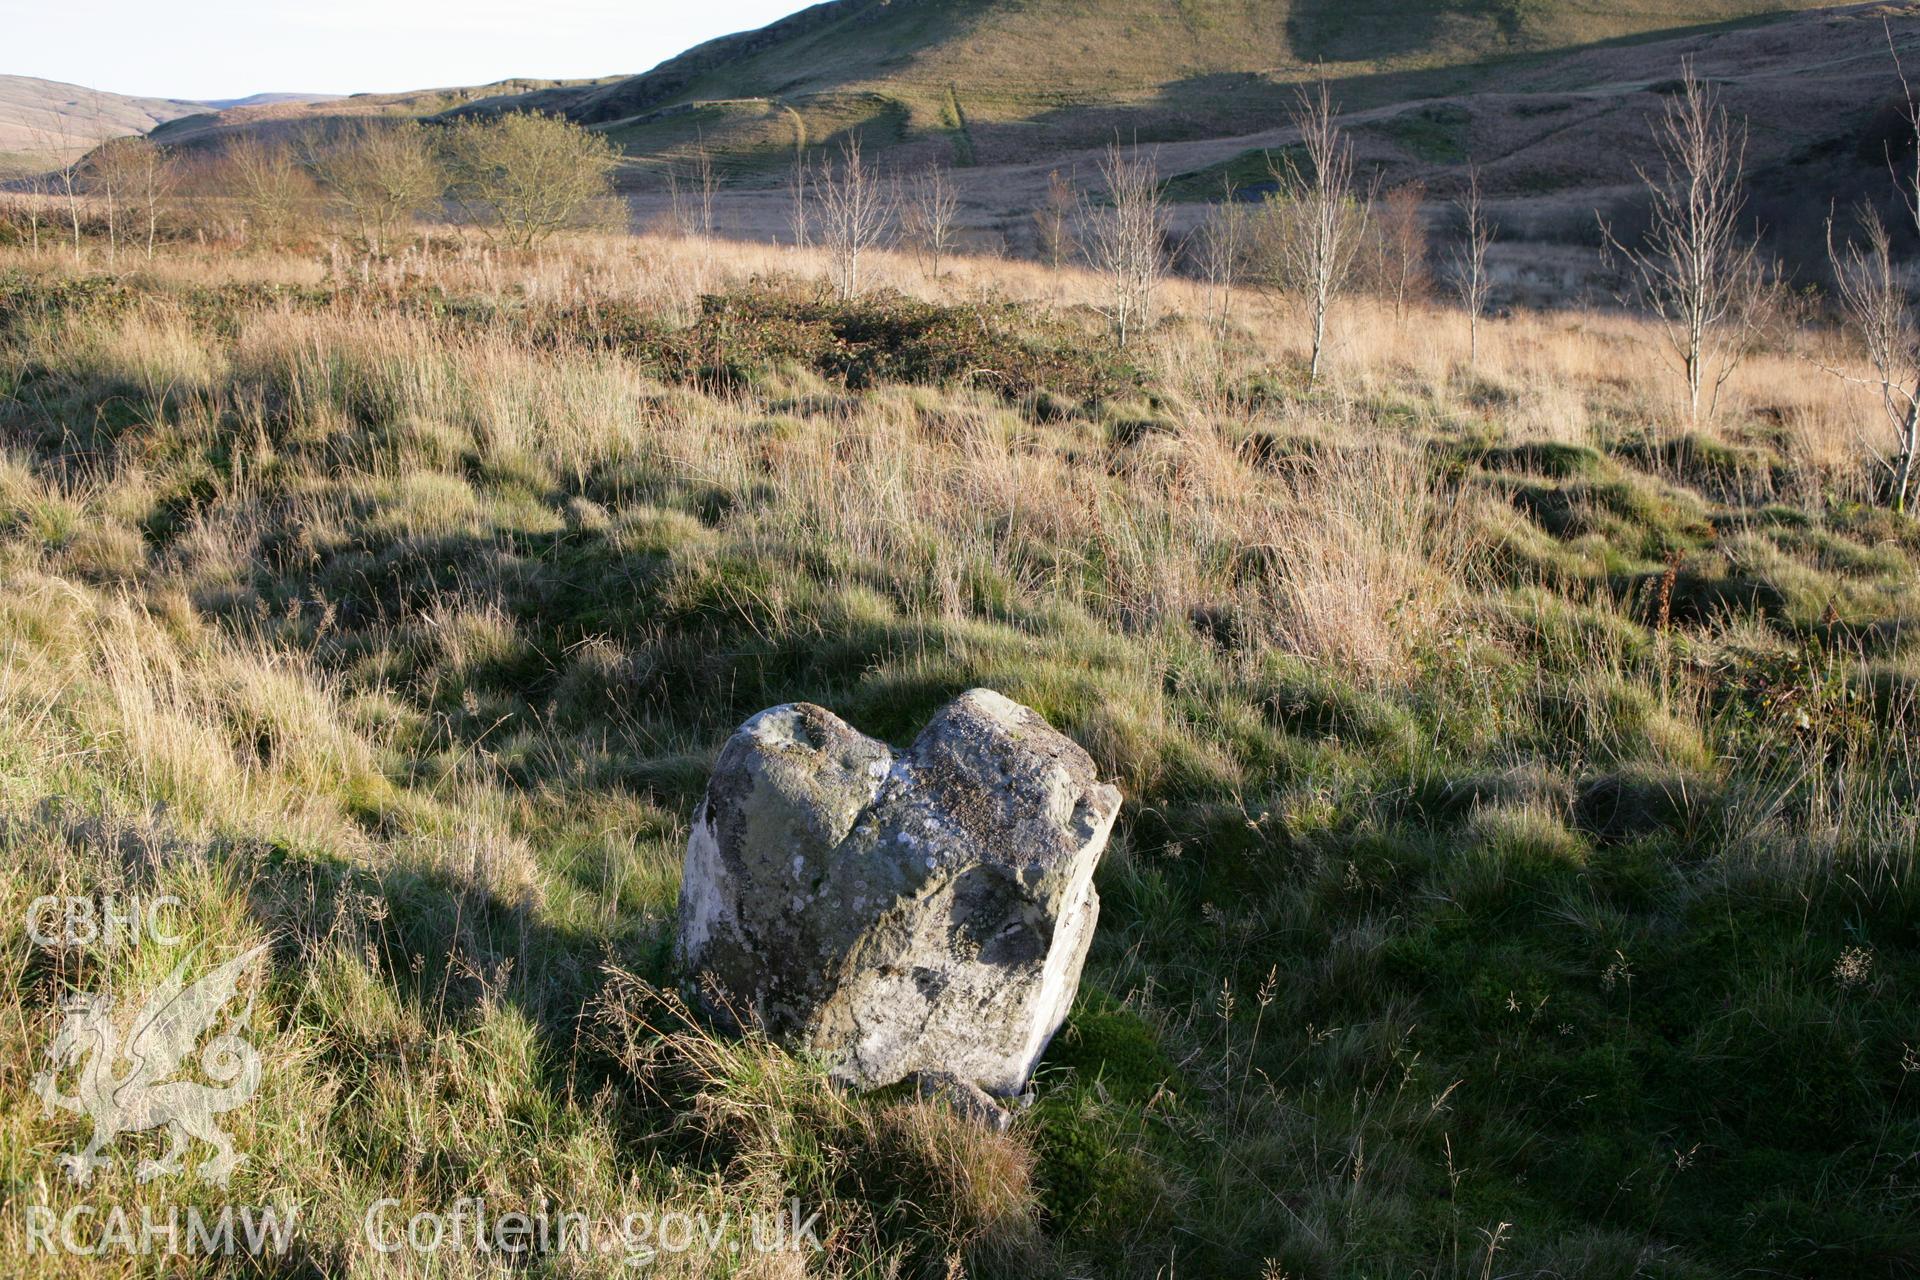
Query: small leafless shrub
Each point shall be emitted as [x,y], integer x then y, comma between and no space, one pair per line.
[1872,293]
[275,192]
[1222,248]
[692,194]
[1470,280]
[1053,221]
[929,215]
[1398,267]
[799,221]
[1875,298]
[1126,238]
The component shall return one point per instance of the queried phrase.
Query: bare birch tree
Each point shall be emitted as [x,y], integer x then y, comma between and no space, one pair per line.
[1470,281]
[32,189]
[1126,238]
[1877,303]
[1694,268]
[855,216]
[136,179]
[1873,296]
[930,214]
[1053,221]
[156,183]
[65,178]
[799,218]
[1317,220]
[102,173]
[706,187]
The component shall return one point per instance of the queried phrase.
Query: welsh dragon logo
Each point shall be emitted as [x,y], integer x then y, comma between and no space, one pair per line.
[125,1088]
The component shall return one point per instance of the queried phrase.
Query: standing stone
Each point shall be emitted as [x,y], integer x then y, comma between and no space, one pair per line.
[921,915]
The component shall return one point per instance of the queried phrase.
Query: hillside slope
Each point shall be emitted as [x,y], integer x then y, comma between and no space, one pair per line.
[1030,53]
[1557,137]
[1003,80]
[1011,83]
[47,121]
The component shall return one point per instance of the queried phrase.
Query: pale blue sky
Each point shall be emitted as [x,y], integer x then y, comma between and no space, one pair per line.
[231,48]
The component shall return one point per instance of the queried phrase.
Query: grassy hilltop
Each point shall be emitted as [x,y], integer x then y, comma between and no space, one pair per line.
[1518,868]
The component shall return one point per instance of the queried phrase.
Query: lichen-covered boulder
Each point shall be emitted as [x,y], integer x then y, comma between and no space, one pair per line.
[920,915]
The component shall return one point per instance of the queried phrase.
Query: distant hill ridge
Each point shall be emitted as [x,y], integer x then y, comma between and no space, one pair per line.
[1005,80]
[1049,50]
[1017,82]
[48,121]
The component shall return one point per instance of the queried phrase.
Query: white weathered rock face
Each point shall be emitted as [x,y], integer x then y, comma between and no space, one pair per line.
[920,915]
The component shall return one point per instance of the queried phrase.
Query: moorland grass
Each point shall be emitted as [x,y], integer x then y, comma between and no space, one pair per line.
[1517,869]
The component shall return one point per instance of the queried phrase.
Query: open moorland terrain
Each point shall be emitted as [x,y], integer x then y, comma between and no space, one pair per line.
[1516,874]
[404,497]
